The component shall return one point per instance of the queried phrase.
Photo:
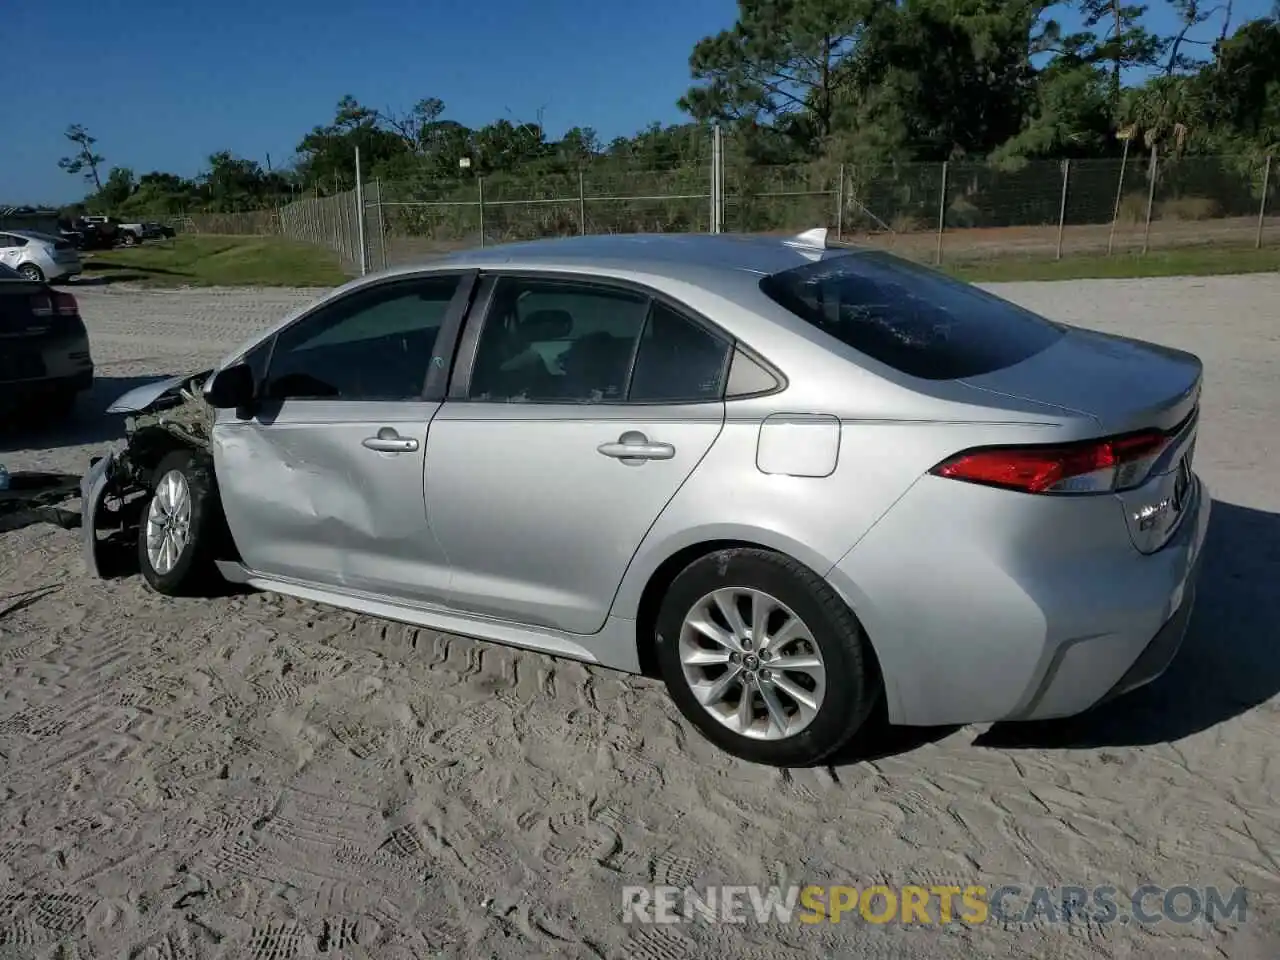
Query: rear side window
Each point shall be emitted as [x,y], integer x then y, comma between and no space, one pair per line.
[913,319]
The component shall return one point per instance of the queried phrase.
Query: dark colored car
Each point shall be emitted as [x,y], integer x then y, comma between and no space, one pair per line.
[97,233]
[71,235]
[45,361]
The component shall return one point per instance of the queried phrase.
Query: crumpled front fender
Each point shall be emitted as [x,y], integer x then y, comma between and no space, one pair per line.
[93,489]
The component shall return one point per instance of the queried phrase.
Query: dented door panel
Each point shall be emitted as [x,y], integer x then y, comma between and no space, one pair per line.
[306,498]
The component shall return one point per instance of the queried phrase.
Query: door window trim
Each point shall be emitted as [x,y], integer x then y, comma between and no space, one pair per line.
[439,364]
[478,316]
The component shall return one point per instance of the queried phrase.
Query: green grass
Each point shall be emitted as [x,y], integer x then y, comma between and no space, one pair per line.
[1186,261]
[208,261]
[276,262]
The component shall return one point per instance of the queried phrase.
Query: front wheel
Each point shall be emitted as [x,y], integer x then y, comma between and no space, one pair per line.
[764,658]
[178,533]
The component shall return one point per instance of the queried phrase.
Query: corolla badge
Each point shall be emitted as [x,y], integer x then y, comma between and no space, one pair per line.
[1149,515]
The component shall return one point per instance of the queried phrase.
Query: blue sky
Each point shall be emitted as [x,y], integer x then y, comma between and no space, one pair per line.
[164,83]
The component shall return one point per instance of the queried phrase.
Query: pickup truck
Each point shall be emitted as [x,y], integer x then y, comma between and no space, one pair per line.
[132,234]
[93,233]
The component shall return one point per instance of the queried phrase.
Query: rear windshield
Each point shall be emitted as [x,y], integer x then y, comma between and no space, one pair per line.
[916,320]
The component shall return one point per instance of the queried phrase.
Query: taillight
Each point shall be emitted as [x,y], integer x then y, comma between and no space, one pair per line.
[1095,466]
[62,304]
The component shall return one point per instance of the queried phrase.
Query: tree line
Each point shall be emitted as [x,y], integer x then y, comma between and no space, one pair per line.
[865,82]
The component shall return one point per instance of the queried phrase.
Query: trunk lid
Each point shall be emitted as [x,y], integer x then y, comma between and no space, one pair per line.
[1123,384]
[17,309]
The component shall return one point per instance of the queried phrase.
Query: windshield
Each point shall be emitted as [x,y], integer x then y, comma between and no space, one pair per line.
[914,319]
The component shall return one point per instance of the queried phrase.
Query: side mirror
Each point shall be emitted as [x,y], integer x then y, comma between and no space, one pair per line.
[234,388]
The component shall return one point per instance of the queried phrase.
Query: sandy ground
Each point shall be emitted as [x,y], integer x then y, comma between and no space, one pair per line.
[258,777]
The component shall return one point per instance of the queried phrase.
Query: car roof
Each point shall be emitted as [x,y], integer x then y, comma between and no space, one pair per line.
[678,256]
[32,235]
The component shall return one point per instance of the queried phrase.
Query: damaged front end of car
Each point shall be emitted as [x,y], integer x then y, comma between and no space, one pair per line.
[159,418]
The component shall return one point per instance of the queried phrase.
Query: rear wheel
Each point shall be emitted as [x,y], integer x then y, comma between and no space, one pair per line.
[178,535]
[130,239]
[764,658]
[30,271]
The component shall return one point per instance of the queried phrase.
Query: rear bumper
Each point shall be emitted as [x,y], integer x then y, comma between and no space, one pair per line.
[1164,646]
[984,606]
[61,269]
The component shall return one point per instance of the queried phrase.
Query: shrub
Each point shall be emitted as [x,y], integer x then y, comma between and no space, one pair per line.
[1187,208]
[1133,208]
[906,223]
[962,212]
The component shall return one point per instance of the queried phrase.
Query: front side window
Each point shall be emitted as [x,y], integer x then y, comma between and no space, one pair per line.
[553,341]
[374,344]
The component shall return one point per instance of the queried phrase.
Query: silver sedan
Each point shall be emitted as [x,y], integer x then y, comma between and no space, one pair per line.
[795,482]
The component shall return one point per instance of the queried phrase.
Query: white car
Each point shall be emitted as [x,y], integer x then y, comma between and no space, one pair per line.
[39,257]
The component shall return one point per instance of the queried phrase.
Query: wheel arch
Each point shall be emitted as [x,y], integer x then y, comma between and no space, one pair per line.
[659,579]
[150,444]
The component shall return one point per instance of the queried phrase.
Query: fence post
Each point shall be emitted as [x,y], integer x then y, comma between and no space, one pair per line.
[480,188]
[360,233]
[339,213]
[942,215]
[716,177]
[1115,213]
[1151,199]
[338,225]
[382,226]
[582,206]
[1262,208]
[1062,206]
[840,207]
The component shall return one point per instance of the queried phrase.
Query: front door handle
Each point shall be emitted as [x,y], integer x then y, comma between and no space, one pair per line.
[388,441]
[634,447]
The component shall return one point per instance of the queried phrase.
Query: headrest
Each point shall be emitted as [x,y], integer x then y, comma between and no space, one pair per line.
[546,325]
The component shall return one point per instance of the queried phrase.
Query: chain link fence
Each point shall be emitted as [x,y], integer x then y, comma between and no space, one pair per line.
[408,221]
[934,212]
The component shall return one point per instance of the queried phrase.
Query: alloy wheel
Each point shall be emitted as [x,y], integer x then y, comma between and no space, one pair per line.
[168,522]
[752,663]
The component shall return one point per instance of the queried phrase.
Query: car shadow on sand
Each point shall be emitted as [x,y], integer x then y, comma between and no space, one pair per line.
[1228,663]
[89,421]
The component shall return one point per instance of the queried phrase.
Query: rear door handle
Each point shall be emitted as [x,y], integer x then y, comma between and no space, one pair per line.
[388,441]
[635,446]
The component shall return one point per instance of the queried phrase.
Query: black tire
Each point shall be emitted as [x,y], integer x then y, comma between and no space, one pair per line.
[30,271]
[852,683]
[129,239]
[194,572]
